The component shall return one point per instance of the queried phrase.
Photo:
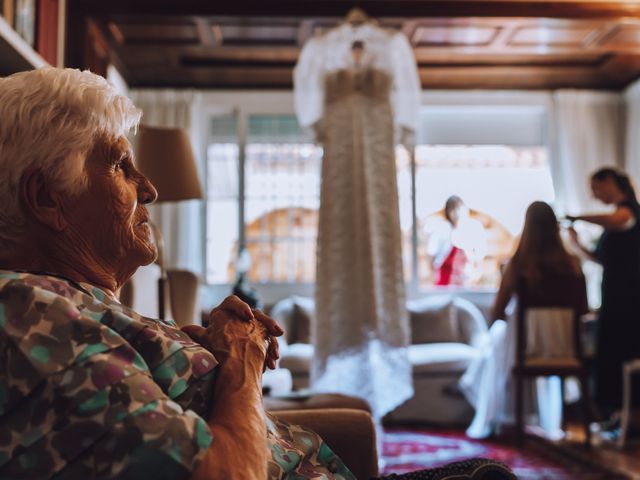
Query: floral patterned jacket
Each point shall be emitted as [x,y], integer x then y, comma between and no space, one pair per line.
[91,389]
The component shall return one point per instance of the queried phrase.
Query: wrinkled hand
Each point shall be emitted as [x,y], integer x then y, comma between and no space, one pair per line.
[270,325]
[245,341]
[252,325]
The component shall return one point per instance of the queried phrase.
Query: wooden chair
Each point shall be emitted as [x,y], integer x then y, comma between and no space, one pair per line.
[561,292]
[630,369]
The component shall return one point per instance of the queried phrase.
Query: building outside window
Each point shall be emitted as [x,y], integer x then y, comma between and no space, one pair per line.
[282,197]
[496,182]
[280,202]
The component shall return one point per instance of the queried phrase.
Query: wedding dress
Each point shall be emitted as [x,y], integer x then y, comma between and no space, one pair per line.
[356,106]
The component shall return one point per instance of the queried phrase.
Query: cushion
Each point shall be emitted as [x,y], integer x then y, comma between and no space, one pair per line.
[301,324]
[315,401]
[295,315]
[549,333]
[297,358]
[433,320]
[441,357]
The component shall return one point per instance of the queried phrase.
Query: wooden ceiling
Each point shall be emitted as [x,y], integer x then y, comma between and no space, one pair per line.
[458,43]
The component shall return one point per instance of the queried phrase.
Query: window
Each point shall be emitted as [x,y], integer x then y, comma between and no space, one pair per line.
[223,201]
[282,196]
[280,202]
[485,177]
[264,194]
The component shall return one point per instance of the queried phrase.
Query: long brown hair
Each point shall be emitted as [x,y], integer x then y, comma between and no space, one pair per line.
[541,252]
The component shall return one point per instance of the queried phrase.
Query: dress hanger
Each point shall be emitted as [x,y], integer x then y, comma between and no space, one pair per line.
[356,17]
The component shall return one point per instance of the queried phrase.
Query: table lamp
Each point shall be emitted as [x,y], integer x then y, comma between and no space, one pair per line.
[166,157]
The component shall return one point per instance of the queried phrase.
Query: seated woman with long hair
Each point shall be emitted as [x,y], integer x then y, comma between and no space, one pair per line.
[540,255]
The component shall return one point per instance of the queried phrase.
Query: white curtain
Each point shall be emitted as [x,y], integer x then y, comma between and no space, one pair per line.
[180,223]
[589,135]
[632,144]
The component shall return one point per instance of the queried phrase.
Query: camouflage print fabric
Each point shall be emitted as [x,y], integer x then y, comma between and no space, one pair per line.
[91,389]
[299,453]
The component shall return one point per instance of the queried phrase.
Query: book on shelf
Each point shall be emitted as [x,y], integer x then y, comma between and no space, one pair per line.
[47,30]
[25,20]
[7,11]
[36,21]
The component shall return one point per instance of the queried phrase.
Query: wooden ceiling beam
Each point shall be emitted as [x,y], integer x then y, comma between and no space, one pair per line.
[622,69]
[375,8]
[232,54]
[459,43]
[432,78]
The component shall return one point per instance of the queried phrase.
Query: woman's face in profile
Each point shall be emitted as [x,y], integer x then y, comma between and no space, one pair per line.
[110,218]
[604,190]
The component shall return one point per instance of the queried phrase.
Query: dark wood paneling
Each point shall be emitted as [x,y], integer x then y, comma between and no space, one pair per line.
[553,36]
[453,36]
[266,35]
[376,8]
[184,33]
[457,43]
[623,36]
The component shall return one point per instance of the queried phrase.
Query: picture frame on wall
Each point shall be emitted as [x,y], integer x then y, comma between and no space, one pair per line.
[25,20]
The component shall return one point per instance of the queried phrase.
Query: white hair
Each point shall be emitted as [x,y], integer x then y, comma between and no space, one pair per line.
[50,119]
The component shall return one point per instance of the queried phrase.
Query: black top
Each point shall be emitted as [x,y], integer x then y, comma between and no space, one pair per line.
[619,322]
[619,254]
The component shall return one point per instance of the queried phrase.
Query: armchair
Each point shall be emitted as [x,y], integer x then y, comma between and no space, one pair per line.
[549,340]
[350,434]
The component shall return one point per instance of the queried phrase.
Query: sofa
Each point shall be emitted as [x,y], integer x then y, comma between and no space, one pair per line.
[447,333]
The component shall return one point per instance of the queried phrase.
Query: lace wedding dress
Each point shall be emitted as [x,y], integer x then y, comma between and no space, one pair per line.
[361,331]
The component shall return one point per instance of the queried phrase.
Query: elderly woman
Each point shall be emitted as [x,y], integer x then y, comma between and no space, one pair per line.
[89,388]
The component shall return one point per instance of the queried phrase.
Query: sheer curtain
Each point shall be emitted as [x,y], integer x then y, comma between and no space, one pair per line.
[632,144]
[589,135]
[180,223]
[590,132]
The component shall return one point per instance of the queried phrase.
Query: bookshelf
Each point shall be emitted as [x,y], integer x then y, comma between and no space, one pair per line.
[15,54]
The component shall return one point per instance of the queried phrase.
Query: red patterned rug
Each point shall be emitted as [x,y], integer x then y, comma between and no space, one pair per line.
[409,449]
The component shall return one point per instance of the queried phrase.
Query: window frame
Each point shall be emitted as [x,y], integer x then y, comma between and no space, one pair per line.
[243,104]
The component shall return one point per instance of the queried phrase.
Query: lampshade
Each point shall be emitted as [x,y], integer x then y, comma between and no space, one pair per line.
[165,156]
